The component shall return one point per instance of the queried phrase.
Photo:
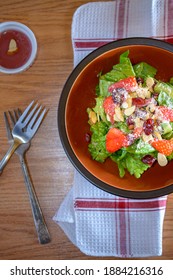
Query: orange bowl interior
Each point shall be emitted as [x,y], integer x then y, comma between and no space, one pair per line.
[82,95]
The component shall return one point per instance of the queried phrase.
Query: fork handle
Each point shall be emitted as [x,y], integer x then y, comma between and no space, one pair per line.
[40,225]
[8,155]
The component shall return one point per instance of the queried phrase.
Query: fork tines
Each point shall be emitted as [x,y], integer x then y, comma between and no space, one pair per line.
[30,120]
[13,116]
[30,116]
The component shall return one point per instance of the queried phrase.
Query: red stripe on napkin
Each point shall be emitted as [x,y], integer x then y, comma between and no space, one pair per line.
[93,44]
[119,204]
[124,233]
[121,18]
[86,43]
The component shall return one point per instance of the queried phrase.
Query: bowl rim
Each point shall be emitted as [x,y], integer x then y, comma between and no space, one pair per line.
[143,41]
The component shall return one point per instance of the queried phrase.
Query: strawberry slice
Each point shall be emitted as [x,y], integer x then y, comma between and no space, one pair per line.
[115,140]
[163,146]
[129,84]
[167,113]
[109,107]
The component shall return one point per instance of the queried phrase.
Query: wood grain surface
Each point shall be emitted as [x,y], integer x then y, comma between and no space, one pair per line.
[51,171]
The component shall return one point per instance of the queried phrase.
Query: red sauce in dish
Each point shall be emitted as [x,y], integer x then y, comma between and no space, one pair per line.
[19,57]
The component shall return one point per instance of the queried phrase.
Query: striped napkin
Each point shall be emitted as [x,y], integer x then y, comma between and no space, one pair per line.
[99,223]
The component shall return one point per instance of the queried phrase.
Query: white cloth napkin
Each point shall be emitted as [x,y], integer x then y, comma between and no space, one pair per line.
[99,223]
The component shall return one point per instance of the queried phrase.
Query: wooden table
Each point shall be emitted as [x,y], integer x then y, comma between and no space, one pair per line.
[52,173]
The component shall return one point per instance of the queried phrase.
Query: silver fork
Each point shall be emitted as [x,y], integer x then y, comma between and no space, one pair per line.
[40,225]
[24,129]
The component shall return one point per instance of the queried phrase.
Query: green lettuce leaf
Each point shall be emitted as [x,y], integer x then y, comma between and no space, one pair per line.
[170,157]
[144,70]
[97,146]
[130,162]
[165,100]
[99,110]
[115,75]
[169,134]
[134,165]
[164,87]
[103,87]
[122,126]
[125,66]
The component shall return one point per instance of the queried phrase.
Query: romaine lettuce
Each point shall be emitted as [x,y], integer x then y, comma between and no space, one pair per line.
[97,147]
[144,70]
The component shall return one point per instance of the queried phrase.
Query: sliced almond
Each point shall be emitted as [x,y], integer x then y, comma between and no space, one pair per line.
[133,94]
[162,160]
[129,101]
[141,92]
[93,117]
[116,118]
[150,82]
[138,122]
[12,46]
[157,134]
[129,111]
[147,94]
[147,138]
[147,116]
[124,105]
[118,114]
[108,118]
[151,107]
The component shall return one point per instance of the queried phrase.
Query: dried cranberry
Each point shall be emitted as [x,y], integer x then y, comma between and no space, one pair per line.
[155,95]
[141,102]
[139,80]
[148,126]
[130,121]
[148,159]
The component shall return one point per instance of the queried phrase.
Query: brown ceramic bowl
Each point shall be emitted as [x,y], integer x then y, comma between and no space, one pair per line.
[79,93]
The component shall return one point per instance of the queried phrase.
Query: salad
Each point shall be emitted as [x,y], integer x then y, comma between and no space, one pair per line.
[132,121]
